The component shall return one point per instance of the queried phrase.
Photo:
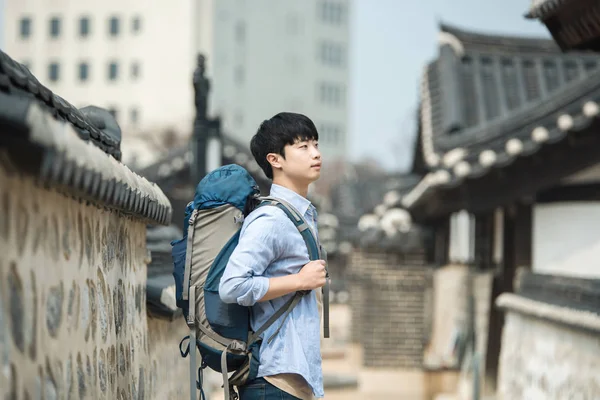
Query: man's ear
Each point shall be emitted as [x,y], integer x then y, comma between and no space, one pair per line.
[274,160]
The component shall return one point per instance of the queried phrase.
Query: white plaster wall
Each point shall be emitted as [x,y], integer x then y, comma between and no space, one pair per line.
[462,237]
[543,360]
[449,314]
[566,239]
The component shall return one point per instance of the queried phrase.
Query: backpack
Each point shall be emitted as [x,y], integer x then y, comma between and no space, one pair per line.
[221,332]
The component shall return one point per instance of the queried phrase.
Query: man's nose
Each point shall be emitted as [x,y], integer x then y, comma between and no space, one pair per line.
[316,153]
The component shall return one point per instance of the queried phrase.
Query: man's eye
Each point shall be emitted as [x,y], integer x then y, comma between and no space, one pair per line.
[303,146]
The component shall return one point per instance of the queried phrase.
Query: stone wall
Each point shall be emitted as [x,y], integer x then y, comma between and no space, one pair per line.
[390,304]
[548,352]
[356,288]
[73,318]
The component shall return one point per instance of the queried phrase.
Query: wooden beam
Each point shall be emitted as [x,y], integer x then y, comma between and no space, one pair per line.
[570,193]
[516,253]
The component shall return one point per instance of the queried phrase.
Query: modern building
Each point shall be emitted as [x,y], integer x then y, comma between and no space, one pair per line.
[136,59]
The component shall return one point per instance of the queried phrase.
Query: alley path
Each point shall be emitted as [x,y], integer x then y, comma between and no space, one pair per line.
[341,358]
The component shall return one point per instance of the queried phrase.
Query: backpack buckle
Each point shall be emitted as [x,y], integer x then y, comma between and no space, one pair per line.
[237,346]
[238,219]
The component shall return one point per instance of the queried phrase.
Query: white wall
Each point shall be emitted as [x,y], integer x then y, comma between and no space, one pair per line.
[462,237]
[566,239]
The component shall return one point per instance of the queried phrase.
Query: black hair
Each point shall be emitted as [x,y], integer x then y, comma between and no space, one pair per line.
[274,134]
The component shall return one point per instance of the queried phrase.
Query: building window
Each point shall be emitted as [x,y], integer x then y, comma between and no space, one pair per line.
[240,31]
[330,134]
[113,26]
[293,25]
[511,84]
[113,71]
[84,71]
[469,92]
[332,12]
[135,70]
[136,24]
[134,116]
[330,93]
[239,119]
[590,65]
[84,26]
[551,75]
[531,80]
[55,27]
[571,71]
[53,72]
[25,27]
[239,75]
[331,54]
[490,89]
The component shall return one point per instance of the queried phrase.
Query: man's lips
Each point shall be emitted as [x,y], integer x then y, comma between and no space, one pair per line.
[316,166]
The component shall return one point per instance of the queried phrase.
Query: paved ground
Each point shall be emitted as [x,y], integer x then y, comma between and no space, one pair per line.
[342,358]
[374,384]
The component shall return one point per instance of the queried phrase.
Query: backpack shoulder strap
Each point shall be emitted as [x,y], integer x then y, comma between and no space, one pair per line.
[314,253]
[310,238]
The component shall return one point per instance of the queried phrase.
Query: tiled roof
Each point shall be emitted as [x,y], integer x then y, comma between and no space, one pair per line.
[39,138]
[573,109]
[488,99]
[480,81]
[91,124]
[544,8]
[179,159]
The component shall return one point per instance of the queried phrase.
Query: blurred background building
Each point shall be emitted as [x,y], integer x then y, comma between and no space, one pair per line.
[459,220]
[136,58]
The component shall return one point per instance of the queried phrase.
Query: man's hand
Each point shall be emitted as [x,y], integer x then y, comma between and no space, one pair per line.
[312,275]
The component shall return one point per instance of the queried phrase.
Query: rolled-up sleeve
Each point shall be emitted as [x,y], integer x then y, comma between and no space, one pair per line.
[243,281]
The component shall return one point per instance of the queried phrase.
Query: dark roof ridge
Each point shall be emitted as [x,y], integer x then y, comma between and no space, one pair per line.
[91,123]
[507,40]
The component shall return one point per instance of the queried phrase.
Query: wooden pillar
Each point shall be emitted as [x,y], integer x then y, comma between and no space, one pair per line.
[524,235]
[516,253]
[442,242]
[484,240]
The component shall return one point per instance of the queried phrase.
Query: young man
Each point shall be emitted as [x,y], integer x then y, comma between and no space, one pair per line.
[271,263]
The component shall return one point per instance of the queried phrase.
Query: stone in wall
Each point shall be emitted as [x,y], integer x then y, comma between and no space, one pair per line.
[392,306]
[70,325]
[546,359]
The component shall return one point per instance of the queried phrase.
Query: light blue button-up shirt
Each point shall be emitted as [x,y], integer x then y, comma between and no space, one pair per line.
[271,246]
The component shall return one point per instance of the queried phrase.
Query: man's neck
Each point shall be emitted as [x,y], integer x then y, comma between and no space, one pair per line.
[301,189]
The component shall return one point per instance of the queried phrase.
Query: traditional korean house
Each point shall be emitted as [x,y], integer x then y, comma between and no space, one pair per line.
[574,24]
[509,149]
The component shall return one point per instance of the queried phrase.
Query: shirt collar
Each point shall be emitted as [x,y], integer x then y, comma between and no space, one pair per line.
[302,204]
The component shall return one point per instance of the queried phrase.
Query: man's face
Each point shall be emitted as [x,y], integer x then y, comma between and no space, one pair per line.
[302,161]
